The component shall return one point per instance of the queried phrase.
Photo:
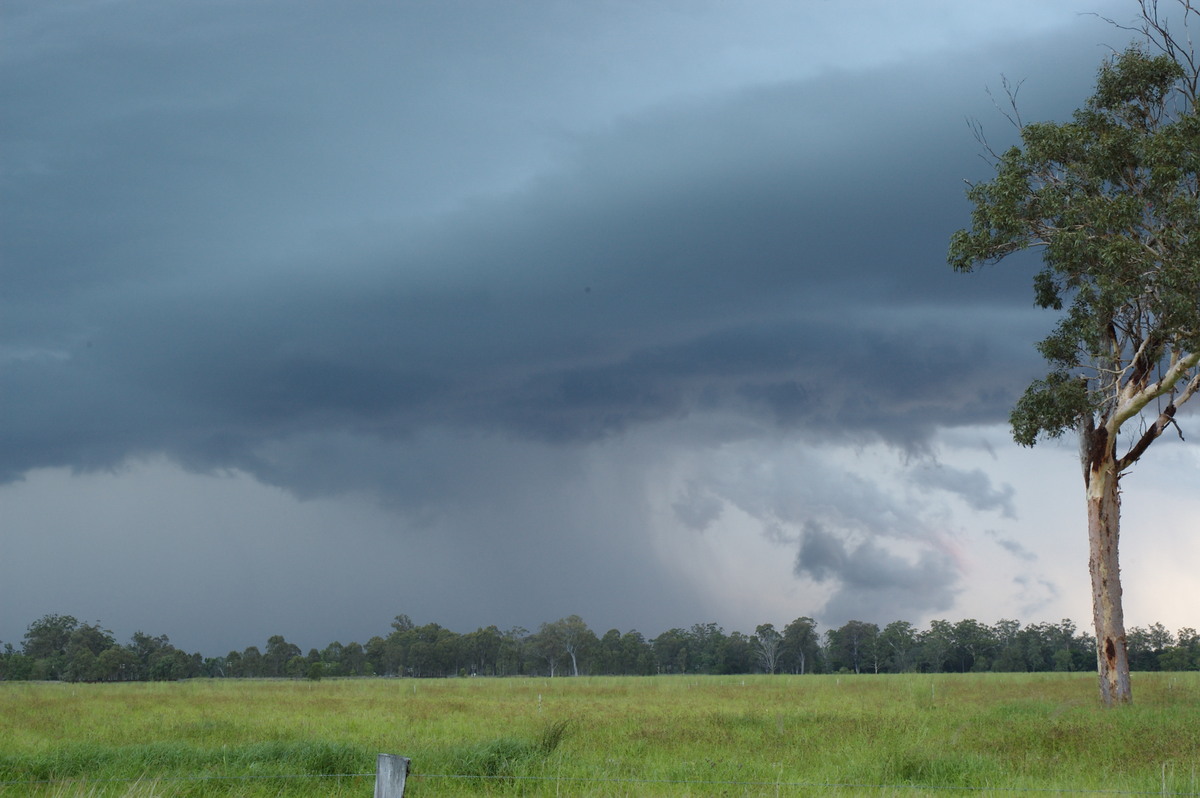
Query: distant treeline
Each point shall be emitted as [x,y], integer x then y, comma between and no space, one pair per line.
[59,647]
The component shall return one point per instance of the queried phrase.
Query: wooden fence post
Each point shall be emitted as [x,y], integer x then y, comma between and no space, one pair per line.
[390,772]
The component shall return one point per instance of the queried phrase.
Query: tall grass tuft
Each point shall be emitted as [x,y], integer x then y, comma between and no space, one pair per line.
[508,757]
[551,736]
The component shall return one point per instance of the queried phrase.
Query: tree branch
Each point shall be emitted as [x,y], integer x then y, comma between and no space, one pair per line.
[1165,418]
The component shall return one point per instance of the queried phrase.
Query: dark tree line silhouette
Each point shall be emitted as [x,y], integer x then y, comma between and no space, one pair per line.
[59,647]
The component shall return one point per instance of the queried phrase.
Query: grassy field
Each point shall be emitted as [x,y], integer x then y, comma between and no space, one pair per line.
[909,735]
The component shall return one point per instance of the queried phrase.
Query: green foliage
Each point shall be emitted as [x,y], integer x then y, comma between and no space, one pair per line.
[1111,199]
[1050,406]
[856,646]
[59,647]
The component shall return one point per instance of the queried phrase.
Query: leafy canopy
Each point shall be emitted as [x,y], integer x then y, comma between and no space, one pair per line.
[1112,199]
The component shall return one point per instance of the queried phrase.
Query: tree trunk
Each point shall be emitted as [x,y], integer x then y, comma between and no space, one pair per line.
[1104,526]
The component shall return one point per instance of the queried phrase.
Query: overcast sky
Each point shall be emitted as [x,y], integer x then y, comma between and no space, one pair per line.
[312,314]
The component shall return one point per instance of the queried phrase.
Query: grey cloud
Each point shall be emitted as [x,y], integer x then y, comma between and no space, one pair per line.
[1012,547]
[697,508]
[869,577]
[875,550]
[974,487]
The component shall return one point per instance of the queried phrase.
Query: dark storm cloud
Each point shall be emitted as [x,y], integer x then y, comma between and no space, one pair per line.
[464,258]
[733,253]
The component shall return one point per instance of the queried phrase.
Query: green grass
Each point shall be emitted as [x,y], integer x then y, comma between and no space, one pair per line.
[908,735]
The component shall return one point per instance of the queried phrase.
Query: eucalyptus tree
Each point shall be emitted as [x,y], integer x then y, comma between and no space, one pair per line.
[1185,654]
[45,643]
[671,651]
[853,646]
[936,645]
[767,642]
[801,647]
[705,648]
[898,644]
[279,652]
[1112,201]
[514,645]
[638,654]
[570,636]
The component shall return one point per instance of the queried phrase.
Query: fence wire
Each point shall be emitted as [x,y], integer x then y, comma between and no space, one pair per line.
[776,785]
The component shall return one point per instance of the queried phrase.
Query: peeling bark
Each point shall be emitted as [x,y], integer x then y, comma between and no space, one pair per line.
[1104,519]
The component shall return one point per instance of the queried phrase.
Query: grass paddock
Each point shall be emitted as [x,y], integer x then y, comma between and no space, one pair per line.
[901,735]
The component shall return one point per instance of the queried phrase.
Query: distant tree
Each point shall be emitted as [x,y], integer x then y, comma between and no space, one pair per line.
[767,643]
[432,650]
[84,646]
[251,663]
[671,651]
[172,664]
[1008,653]
[14,665]
[214,667]
[81,666]
[117,664]
[898,646]
[1147,646]
[609,657]
[548,648]
[705,647]
[936,644]
[148,650]
[637,654]
[376,653]
[513,651]
[1071,651]
[446,651]
[330,658]
[972,642]
[297,667]
[578,640]
[392,657]
[482,650]
[1112,200]
[354,660]
[93,637]
[402,623]
[567,638]
[737,654]
[279,652]
[45,644]
[1049,647]
[801,646]
[1043,642]
[1185,654]
[853,647]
